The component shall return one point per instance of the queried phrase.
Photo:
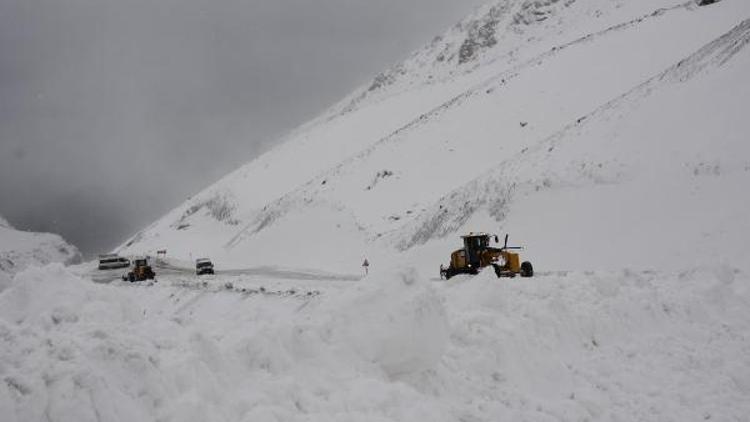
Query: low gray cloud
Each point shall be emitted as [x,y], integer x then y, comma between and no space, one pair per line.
[114,111]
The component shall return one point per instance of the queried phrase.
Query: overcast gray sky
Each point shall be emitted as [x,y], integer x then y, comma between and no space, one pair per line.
[112,112]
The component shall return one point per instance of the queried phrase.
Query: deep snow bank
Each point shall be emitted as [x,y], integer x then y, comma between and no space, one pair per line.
[21,249]
[576,346]
[75,350]
[601,346]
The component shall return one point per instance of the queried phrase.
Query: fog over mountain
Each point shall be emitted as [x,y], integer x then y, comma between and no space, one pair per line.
[113,112]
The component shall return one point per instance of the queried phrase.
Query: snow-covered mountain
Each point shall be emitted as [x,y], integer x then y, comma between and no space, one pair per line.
[600,133]
[609,136]
[20,250]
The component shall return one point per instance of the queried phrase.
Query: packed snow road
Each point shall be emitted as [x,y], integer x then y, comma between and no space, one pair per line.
[172,270]
[627,345]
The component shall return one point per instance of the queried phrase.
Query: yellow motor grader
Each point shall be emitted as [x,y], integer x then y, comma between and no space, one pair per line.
[477,254]
[141,271]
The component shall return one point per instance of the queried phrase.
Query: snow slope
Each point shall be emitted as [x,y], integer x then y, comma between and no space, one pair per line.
[572,346]
[20,250]
[602,134]
[662,169]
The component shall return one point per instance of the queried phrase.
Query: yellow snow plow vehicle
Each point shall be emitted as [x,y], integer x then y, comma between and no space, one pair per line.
[477,254]
[141,271]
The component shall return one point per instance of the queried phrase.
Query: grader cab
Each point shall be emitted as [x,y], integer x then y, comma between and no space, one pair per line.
[477,254]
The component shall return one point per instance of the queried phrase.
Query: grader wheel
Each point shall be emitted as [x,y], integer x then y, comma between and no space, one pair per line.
[526,269]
